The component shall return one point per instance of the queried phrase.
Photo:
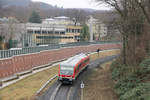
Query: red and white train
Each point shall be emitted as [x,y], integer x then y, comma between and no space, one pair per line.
[71,68]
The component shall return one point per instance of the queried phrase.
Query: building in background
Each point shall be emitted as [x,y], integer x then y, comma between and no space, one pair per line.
[52,30]
[99,29]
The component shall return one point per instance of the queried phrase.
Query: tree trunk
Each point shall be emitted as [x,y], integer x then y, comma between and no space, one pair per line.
[124,50]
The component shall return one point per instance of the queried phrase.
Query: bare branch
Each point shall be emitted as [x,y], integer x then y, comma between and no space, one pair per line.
[144,10]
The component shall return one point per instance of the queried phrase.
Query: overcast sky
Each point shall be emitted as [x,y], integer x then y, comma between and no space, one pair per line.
[73,3]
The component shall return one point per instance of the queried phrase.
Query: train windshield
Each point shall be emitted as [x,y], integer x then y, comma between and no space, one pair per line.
[66,70]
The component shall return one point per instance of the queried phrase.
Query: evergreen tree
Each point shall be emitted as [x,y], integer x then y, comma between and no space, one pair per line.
[35,17]
[10,43]
[1,41]
[85,35]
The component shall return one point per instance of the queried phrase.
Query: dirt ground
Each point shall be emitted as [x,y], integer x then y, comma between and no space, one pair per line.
[99,85]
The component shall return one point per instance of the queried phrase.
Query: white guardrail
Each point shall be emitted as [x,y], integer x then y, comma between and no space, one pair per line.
[46,84]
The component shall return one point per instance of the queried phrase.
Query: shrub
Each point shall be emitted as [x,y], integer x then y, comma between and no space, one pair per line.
[117,70]
[129,82]
[145,66]
[140,92]
[132,82]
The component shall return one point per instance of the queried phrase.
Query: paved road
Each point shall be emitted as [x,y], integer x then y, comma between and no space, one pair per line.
[72,92]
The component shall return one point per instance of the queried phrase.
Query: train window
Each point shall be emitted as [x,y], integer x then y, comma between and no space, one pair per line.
[66,70]
[79,66]
[75,70]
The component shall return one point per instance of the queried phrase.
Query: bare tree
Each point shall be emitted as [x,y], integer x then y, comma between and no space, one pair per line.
[130,25]
[77,15]
[122,10]
[145,7]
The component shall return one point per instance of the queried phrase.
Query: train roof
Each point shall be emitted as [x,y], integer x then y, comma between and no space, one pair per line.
[73,60]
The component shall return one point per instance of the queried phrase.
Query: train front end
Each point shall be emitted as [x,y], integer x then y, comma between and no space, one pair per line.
[65,74]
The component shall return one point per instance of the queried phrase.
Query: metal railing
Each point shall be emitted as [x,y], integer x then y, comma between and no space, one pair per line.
[27,50]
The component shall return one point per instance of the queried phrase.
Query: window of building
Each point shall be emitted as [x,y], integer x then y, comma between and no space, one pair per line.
[50,32]
[73,30]
[44,32]
[56,32]
[48,37]
[29,31]
[70,30]
[67,30]
[62,32]
[37,31]
[77,37]
[79,30]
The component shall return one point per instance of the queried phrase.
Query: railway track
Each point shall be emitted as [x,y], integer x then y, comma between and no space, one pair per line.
[62,91]
[55,92]
[59,91]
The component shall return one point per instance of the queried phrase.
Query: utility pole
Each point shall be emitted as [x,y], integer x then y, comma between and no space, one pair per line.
[91,29]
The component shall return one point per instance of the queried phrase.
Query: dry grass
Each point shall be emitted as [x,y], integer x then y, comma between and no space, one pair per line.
[103,54]
[27,87]
[98,85]
[49,85]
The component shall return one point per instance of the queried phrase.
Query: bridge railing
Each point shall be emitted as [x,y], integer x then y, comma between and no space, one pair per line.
[28,50]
